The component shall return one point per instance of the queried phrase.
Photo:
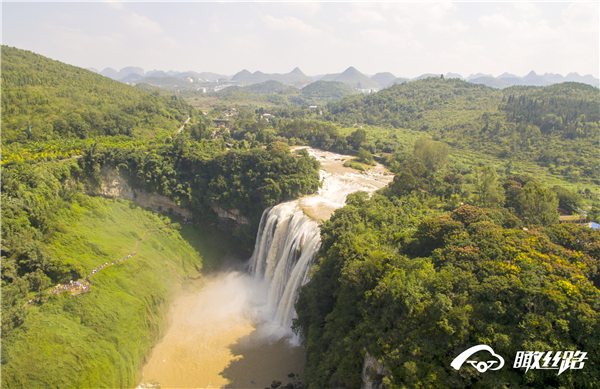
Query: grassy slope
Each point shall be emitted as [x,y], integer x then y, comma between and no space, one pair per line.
[100,339]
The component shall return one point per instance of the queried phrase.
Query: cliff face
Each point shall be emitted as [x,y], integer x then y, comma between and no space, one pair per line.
[232,214]
[113,185]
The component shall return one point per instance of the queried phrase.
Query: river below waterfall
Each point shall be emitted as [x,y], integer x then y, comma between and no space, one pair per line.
[234,331]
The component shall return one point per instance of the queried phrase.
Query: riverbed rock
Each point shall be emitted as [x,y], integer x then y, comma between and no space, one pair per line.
[275,384]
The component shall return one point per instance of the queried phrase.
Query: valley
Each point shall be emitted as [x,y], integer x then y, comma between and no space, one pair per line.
[352,239]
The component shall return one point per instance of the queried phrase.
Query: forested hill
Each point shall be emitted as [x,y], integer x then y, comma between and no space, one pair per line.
[554,126]
[417,104]
[64,101]
[59,235]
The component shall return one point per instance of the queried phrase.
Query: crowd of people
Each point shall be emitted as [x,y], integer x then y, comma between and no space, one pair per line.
[77,287]
[96,270]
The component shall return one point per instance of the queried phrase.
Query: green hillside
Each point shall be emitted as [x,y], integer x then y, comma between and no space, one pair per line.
[414,288]
[327,91]
[56,230]
[555,126]
[64,101]
[98,338]
[383,79]
[266,87]
[296,76]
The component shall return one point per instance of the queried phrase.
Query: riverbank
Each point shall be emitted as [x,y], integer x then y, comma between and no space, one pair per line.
[101,338]
[235,332]
[214,340]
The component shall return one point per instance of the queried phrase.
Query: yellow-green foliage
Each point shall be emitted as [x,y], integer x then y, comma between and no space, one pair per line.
[414,298]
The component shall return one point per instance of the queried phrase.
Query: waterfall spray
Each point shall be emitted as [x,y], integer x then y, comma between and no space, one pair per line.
[289,239]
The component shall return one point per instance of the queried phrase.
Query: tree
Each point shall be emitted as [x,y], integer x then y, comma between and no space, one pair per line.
[199,131]
[433,154]
[357,138]
[567,200]
[490,193]
[364,156]
[403,183]
[538,205]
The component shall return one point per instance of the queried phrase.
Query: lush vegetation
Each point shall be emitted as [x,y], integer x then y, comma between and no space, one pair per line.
[53,233]
[413,288]
[43,100]
[55,230]
[555,126]
[462,247]
[199,175]
[99,338]
[434,264]
[272,94]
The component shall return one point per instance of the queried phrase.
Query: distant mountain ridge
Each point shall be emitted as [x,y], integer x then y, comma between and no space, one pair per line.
[132,73]
[296,76]
[351,77]
[531,79]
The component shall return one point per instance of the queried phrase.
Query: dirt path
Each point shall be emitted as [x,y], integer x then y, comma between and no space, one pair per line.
[184,123]
[82,285]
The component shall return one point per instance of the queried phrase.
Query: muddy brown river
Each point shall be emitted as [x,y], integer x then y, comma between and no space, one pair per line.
[231,330]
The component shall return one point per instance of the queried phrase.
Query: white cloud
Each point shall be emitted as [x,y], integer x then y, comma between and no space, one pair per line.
[142,26]
[527,9]
[453,27]
[306,8]
[495,21]
[388,39]
[437,17]
[582,18]
[291,24]
[360,15]
[115,5]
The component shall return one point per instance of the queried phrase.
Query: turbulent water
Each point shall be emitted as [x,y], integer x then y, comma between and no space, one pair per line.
[289,239]
[236,331]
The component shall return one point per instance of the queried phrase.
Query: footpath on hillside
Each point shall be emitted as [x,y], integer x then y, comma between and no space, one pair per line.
[83,285]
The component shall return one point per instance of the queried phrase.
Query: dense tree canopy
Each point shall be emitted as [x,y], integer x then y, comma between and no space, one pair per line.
[414,289]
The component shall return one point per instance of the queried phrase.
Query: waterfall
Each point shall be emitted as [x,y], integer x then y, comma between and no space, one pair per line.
[286,245]
[289,237]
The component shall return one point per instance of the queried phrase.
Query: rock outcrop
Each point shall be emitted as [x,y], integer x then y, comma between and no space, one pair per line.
[373,373]
[232,214]
[113,185]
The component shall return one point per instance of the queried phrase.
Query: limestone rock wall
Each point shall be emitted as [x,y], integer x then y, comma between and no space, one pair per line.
[113,185]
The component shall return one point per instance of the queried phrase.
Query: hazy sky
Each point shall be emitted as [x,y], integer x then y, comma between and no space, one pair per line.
[407,39]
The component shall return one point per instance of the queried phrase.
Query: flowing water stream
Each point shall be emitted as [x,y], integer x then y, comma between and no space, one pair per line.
[235,331]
